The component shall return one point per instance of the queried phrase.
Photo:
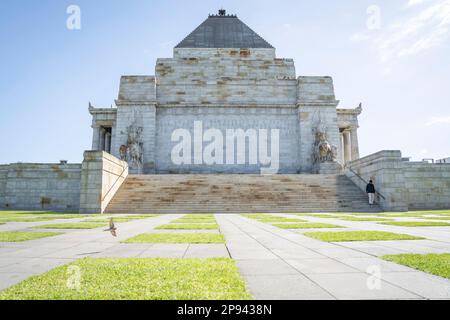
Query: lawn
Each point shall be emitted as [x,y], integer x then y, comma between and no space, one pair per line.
[192,226]
[363,219]
[80,225]
[359,236]
[198,216]
[16,236]
[194,221]
[136,279]
[25,219]
[306,225]
[416,224]
[435,218]
[281,219]
[106,220]
[321,215]
[177,238]
[437,264]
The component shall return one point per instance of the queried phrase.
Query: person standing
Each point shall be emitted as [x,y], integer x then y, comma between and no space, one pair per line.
[370,189]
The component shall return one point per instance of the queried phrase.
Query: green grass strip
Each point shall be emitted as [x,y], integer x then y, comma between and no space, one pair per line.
[306,225]
[281,219]
[194,221]
[416,224]
[436,264]
[359,236]
[68,226]
[193,226]
[363,219]
[196,238]
[16,236]
[136,279]
[321,215]
[13,219]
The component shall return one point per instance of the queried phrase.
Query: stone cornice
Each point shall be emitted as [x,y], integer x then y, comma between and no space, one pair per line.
[356,111]
[135,103]
[93,111]
[318,103]
[191,105]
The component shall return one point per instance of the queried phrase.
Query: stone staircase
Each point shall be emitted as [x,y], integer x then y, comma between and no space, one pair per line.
[239,194]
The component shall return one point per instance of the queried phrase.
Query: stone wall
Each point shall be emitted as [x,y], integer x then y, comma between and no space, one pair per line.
[102,176]
[3,179]
[284,119]
[316,110]
[40,187]
[426,184]
[404,185]
[137,108]
[225,76]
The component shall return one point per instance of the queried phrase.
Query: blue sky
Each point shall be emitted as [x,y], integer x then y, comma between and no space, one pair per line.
[399,67]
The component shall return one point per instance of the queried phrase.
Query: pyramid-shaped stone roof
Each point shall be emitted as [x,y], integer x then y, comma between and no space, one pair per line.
[223,31]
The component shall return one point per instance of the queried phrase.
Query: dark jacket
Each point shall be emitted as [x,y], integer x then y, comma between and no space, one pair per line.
[370,188]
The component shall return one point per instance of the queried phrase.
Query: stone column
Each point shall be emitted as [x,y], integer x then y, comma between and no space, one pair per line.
[347,146]
[108,142]
[354,143]
[342,148]
[96,138]
[102,139]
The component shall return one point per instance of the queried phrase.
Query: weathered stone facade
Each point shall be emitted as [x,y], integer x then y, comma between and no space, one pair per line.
[225,88]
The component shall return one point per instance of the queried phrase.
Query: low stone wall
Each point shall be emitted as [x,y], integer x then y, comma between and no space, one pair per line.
[102,176]
[426,184]
[40,187]
[404,185]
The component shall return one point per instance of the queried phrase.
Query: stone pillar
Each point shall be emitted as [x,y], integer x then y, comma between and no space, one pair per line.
[342,148]
[108,142]
[354,143]
[347,146]
[96,138]
[102,139]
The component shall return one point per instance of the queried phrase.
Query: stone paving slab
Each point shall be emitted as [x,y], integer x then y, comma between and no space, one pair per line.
[165,251]
[123,251]
[351,286]
[285,287]
[363,264]
[428,286]
[268,268]
[322,265]
[341,272]
[203,251]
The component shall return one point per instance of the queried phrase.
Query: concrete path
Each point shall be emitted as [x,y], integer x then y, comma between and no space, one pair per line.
[281,264]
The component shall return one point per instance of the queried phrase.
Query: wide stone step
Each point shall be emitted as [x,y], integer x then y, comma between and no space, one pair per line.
[239,193]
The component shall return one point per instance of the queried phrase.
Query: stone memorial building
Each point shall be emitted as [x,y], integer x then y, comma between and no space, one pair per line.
[225,126]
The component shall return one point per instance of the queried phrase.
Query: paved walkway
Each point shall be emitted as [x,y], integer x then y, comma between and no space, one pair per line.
[281,264]
[276,263]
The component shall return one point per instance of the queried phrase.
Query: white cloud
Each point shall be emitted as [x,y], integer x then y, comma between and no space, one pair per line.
[412,3]
[438,121]
[425,24]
